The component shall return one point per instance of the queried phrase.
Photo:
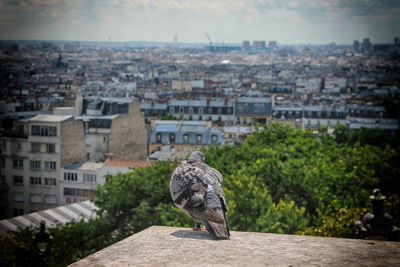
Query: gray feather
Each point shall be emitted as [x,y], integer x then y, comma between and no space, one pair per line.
[196,189]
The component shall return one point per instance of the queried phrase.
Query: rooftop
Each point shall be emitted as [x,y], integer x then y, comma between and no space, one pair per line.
[50,118]
[53,217]
[126,163]
[170,246]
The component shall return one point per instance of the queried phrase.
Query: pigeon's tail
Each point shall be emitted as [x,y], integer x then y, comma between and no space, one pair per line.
[217,230]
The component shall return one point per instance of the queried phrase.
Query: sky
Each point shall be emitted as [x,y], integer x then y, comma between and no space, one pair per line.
[228,21]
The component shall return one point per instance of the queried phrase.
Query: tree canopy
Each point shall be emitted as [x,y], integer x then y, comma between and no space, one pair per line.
[280,180]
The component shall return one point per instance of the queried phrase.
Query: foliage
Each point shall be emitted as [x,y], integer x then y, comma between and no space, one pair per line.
[169,117]
[279,180]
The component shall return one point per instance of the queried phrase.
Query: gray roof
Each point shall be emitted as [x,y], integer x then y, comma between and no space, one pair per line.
[153,106]
[254,99]
[193,103]
[53,217]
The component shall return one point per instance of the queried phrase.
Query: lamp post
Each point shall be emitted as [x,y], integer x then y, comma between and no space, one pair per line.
[42,239]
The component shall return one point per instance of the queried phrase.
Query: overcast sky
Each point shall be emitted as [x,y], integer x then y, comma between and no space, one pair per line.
[229,21]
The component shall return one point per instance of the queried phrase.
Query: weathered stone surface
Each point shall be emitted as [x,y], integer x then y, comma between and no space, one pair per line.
[169,246]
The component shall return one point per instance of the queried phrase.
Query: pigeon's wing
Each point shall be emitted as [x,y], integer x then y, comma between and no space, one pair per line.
[188,193]
[215,199]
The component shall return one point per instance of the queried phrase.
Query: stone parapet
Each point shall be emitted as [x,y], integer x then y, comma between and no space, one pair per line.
[170,246]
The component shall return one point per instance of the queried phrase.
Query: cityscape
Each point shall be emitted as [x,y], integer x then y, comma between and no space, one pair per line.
[72,112]
[295,104]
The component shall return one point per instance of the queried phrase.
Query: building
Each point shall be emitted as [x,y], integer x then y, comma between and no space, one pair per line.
[366,46]
[356,46]
[153,110]
[246,46]
[258,45]
[289,114]
[236,134]
[216,110]
[32,165]
[272,45]
[252,109]
[314,116]
[183,135]
[79,179]
[116,127]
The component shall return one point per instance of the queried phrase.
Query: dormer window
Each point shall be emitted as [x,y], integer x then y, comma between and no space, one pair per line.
[158,138]
[172,138]
[214,139]
[199,138]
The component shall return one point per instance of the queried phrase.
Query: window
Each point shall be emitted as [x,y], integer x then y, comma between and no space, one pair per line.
[35,198]
[190,109]
[219,110]
[18,163]
[214,139]
[50,182]
[89,178]
[158,138]
[185,138]
[70,176]
[50,165]
[44,130]
[172,109]
[50,148]
[199,138]
[18,180]
[200,110]
[180,109]
[172,138]
[77,192]
[36,181]
[19,146]
[50,199]
[18,212]
[35,130]
[34,164]
[35,147]
[18,197]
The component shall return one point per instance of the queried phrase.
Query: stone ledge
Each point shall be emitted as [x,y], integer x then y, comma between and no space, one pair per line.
[170,246]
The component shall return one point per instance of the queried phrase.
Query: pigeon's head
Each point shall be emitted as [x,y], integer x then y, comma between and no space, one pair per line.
[196,156]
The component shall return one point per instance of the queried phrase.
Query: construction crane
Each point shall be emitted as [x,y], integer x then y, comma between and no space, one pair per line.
[211,44]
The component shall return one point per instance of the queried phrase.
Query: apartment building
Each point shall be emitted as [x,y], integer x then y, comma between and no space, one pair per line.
[183,135]
[31,166]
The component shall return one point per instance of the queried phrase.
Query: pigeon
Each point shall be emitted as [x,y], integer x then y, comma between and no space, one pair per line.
[196,189]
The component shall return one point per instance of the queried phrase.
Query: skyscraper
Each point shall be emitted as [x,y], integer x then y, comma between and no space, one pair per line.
[272,45]
[246,46]
[259,45]
[356,46]
[366,46]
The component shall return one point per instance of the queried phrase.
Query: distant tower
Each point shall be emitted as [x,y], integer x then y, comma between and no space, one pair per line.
[109,38]
[356,46]
[366,46]
[397,41]
[246,46]
[259,45]
[272,45]
[175,39]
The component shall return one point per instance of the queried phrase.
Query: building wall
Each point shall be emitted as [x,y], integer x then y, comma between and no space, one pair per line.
[73,146]
[97,146]
[128,138]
